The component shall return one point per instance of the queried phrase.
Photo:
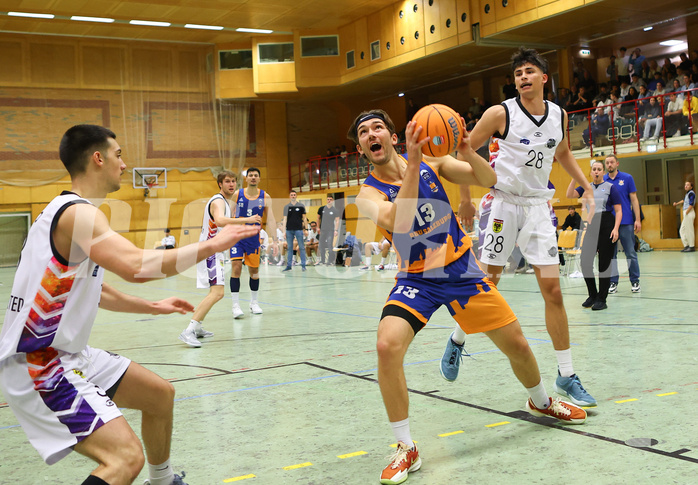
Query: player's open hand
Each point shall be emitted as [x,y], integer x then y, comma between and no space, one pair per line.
[466,212]
[172,305]
[414,141]
[464,143]
[229,235]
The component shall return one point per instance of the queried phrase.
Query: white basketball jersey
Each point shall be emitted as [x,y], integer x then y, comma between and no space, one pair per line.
[54,302]
[209,228]
[523,155]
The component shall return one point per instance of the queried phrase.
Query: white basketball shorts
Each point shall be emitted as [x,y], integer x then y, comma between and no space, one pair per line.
[60,399]
[528,226]
[210,271]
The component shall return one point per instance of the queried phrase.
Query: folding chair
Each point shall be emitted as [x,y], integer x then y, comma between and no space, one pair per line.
[567,242]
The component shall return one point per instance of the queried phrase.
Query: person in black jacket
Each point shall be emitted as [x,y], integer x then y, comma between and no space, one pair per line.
[573,219]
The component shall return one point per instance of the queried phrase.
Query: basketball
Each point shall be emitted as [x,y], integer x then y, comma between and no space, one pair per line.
[443,126]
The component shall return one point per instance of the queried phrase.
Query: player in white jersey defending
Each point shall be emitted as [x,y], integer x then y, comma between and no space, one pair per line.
[210,272]
[65,394]
[528,133]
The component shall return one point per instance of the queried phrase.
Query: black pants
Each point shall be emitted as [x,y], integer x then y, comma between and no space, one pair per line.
[598,240]
[325,244]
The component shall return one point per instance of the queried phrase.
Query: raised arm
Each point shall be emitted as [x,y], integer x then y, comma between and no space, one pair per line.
[83,232]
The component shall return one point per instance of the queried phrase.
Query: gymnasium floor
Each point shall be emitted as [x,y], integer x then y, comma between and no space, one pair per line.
[291,396]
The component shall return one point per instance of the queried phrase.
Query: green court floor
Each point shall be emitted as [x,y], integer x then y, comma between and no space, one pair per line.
[290,397]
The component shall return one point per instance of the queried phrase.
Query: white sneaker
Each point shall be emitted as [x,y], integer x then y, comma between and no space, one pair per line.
[189,338]
[281,261]
[201,333]
[255,308]
[237,311]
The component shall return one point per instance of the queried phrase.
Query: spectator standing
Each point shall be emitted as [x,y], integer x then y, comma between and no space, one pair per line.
[612,70]
[509,89]
[635,62]
[686,231]
[329,218]
[630,223]
[623,62]
[294,222]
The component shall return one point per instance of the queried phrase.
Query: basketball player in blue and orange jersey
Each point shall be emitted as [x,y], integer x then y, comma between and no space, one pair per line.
[405,197]
[528,133]
[253,204]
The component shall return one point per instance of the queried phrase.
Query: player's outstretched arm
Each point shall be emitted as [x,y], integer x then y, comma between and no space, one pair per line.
[116,301]
[83,232]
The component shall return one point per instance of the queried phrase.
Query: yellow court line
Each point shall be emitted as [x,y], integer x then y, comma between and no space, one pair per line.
[626,400]
[496,424]
[237,479]
[450,434]
[300,465]
[667,394]
[351,455]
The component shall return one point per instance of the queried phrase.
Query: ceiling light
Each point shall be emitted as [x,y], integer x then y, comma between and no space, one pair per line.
[647,29]
[92,19]
[670,43]
[148,22]
[255,31]
[400,95]
[31,15]
[585,52]
[203,27]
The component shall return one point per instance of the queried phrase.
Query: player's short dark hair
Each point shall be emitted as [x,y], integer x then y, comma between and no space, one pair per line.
[572,208]
[79,142]
[528,56]
[167,230]
[225,173]
[254,169]
[352,134]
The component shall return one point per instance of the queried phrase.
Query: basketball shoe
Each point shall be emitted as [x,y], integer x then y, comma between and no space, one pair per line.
[237,311]
[177,480]
[450,361]
[571,387]
[403,461]
[566,412]
[201,333]
[255,308]
[189,338]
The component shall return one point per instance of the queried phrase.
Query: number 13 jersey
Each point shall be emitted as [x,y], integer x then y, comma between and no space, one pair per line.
[523,155]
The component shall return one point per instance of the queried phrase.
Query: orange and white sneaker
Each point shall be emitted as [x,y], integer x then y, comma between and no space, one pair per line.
[403,461]
[565,411]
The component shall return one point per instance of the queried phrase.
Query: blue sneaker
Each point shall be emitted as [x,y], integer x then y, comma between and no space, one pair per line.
[571,387]
[450,362]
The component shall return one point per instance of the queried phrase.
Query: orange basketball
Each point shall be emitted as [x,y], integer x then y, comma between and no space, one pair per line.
[443,127]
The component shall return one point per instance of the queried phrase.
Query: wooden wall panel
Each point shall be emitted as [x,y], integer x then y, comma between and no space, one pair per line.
[412,22]
[151,67]
[12,65]
[103,66]
[387,18]
[191,68]
[347,43]
[438,15]
[53,63]
[464,20]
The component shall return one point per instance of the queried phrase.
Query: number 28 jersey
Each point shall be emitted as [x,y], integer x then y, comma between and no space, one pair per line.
[523,155]
[436,239]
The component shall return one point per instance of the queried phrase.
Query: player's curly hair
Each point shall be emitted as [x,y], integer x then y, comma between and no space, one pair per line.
[528,56]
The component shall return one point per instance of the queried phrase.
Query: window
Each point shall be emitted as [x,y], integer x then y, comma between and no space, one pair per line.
[273,53]
[235,60]
[320,46]
[375,50]
[350,60]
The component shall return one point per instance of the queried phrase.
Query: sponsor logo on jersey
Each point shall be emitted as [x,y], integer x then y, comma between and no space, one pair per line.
[525,141]
[551,143]
[433,187]
[538,134]
[425,174]
[621,182]
[497,225]
[94,273]
[392,193]
[491,255]
[552,251]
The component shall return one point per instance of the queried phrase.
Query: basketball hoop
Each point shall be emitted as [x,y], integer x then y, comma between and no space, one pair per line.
[150,181]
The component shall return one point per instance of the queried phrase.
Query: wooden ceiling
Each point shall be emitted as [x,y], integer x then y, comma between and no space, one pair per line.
[602,25]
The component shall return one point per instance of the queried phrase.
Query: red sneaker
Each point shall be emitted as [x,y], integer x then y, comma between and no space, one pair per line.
[403,461]
[564,411]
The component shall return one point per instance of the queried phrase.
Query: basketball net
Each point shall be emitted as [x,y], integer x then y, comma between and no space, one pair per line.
[150,191]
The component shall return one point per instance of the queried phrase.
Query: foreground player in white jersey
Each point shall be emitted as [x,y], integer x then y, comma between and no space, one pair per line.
[210,272]
[65,394]
[529,133]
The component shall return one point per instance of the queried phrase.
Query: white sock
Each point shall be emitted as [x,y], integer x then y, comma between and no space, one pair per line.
[382,260]
[192,325]
[161,474]
[367,259]
[539,395]
[564,362]
[235,297]
[401,430]
[253,296]
[458,336]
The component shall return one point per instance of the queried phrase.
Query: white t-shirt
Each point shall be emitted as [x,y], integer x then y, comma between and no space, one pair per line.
[168,240]
[263,238]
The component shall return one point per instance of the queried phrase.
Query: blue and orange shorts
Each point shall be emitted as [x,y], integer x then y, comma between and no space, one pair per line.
[249,249]
[471,298]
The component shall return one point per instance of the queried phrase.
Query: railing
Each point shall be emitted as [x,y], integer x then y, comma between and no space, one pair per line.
[626,123]
[324,173]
